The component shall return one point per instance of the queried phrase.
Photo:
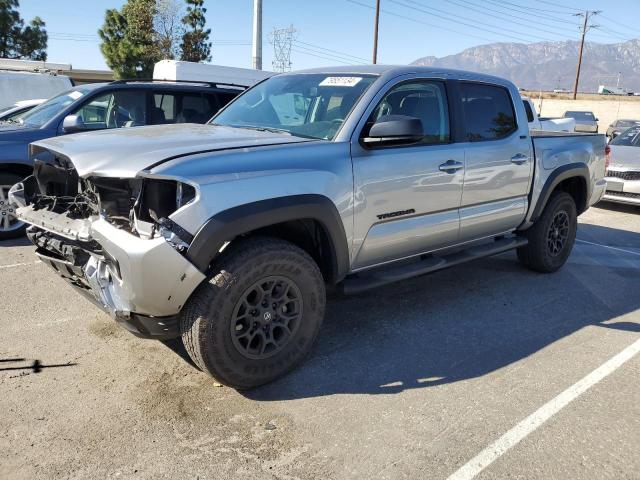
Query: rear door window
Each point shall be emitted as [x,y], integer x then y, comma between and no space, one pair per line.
[488,112]
[178,107]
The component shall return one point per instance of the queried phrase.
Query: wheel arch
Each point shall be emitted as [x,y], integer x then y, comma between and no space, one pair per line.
[571,178]
[310,221]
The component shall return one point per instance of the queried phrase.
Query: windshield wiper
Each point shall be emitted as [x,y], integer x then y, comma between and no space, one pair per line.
[259,128]
[267,129]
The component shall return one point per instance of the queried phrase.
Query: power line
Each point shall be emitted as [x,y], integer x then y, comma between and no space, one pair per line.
[303,52]
[421,22]
[520,10]
[482,9]
[326,53]
[544,10]
[619,24]
[557,5]
[459,22]
[342,54]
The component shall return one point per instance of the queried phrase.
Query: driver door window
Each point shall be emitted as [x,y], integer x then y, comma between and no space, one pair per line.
[124,108]
[425,100]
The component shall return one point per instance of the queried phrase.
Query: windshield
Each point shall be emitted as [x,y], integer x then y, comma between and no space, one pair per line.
[49,109]
[581,115]
[626,123]
[305,105]
[629,138]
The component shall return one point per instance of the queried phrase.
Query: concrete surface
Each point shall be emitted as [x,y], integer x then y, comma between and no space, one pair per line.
[410,381]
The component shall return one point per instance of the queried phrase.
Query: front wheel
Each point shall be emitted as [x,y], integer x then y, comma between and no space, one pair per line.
[552,236]
[259,315]
[10,226]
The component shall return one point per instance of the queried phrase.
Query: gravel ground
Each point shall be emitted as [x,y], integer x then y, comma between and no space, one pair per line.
[411,381]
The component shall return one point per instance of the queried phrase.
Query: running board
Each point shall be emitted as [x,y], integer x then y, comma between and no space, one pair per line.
[392,274]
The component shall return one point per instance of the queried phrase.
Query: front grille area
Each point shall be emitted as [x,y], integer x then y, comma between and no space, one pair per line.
[623,194]
[623,175]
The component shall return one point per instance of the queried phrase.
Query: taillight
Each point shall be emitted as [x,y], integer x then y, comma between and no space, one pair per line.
[607,157]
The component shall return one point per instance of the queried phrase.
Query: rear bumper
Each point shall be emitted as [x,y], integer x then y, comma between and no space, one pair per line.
[142,283]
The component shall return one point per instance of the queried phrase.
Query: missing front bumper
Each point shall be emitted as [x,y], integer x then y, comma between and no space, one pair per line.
[142,283]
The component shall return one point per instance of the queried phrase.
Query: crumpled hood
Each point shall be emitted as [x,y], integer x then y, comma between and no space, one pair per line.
[626,157]
[124,152]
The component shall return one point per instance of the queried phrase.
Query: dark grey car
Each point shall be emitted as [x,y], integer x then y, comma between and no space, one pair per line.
[98,107]
[619,126]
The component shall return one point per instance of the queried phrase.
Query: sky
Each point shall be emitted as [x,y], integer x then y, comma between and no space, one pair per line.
[335,32]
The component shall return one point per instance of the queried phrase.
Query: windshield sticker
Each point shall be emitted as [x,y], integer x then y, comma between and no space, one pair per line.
[340,81]
[75,95]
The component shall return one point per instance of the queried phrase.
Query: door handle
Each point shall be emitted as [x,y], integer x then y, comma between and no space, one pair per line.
[519,159]
[450,166]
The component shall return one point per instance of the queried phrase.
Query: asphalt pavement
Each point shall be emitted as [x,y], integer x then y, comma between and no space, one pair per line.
[486,370]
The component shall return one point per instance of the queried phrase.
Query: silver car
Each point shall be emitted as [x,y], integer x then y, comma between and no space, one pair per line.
[623,173]
[585,121]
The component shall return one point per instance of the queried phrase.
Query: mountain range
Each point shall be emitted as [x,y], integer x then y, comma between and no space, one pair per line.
[550,65]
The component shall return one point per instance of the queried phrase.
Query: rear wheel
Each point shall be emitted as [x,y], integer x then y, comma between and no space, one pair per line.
[258,317]
[552,237]
[10,226]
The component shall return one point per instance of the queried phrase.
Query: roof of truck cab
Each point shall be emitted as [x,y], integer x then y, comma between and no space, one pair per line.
[394,70]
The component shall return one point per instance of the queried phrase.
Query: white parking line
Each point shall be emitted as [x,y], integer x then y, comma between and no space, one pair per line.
[498,448]
[19,265]
[607,246]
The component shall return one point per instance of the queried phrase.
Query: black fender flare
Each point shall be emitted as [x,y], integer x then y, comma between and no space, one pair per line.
[559,175]
[228,224]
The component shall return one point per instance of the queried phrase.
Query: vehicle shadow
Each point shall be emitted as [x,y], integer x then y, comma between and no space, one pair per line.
[462,323]
[16,242]
[617,207]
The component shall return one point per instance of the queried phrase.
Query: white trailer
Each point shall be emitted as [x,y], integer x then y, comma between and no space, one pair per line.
[28,80]
[200,72]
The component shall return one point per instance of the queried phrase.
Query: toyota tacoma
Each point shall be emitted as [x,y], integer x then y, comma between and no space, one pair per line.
[227,234]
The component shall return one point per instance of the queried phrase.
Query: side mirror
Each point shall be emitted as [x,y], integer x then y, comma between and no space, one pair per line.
[73,123]
[395,129]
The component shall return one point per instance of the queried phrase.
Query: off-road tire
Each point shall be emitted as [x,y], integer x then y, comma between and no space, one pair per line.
[537,255]
[209,316]
[16,230]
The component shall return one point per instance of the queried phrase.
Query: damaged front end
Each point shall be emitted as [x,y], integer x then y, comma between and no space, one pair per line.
[112,239]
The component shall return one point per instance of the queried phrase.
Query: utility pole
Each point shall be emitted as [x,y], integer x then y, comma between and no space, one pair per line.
[585,28]
[257,35]
[375,33]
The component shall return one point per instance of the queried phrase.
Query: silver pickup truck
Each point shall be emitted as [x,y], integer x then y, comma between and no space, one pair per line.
[227,234]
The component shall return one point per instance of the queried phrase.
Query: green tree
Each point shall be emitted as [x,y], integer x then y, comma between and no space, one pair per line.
[33,41]
[17,41]
[195,46]
[128,39]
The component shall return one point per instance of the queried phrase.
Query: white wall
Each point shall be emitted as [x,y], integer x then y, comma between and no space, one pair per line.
[605,110]
[15,86]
